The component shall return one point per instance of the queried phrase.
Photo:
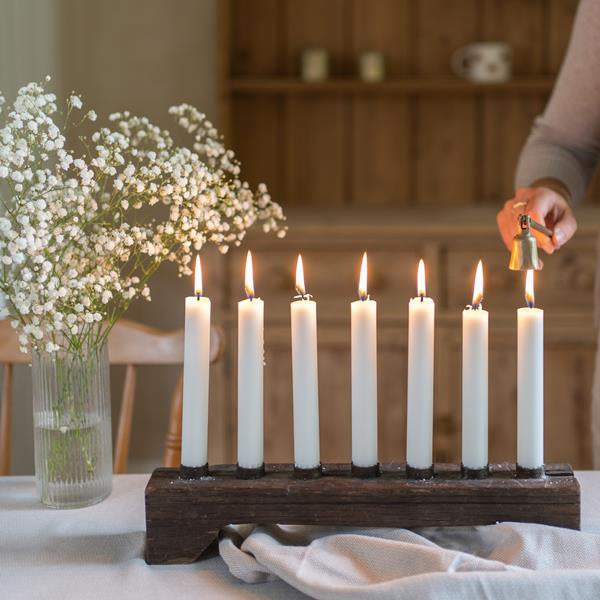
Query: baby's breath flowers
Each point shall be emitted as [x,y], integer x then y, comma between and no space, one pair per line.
[80,235]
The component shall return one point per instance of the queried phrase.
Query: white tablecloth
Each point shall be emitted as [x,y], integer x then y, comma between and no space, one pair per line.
[97,552]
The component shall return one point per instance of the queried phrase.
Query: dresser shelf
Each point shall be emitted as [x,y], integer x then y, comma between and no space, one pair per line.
[406,87]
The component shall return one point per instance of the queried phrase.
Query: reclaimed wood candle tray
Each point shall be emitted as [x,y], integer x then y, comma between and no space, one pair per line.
[184,516]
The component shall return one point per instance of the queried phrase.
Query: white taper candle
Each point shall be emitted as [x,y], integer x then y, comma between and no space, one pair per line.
[250,376]
[364,375]
[475,380]
[196,360]
[419,433]
[530,382]
[305,376]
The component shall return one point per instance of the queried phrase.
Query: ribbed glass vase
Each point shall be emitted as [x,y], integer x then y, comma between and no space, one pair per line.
[72,430]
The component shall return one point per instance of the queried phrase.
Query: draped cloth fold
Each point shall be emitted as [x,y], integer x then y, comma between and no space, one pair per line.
[502,561]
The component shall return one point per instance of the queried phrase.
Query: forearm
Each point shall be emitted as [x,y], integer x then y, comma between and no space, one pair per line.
[564,144]
[549,159]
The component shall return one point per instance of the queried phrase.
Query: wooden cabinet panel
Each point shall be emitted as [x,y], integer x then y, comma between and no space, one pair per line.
[567,280]
[445,151]
[521,24]
[278,424]
[502,408]
[440,28]
[384,26]
[506,123]
[380,152]
[315,149]
[335,394]
[253,54]
[258,123]
[447,392]
[222,410]
[445,131]
[392,363]
[568,374]
[316,24]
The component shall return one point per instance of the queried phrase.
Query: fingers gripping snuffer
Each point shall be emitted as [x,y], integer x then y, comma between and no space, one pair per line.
[524,253]
[551,222]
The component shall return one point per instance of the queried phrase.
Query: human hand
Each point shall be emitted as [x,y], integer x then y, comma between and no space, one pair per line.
[544,205]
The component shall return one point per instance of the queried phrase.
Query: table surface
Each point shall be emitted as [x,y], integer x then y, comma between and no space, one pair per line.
[97,552]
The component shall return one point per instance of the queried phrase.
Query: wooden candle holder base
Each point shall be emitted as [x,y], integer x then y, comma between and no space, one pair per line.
[184,516]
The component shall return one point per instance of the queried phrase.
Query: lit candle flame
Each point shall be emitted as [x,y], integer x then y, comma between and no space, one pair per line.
[478,286]
[249,280]
[198,278]
[362,280]
[529,295]
[300,287]
[421,290]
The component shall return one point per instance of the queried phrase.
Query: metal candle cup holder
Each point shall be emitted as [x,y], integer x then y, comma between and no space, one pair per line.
[184,516]
[193,472]
[481,473]
[365,472]
[250,472]
[419,473]
[308,473]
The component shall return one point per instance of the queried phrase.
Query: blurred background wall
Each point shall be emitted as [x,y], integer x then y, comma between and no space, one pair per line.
[119,55]
[412,166]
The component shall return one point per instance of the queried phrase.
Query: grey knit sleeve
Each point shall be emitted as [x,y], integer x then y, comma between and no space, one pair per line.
[564,143]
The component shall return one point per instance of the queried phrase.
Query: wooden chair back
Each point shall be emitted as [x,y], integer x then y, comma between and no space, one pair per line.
[130,344]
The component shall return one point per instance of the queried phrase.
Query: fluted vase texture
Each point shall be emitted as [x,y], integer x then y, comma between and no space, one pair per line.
[72,427]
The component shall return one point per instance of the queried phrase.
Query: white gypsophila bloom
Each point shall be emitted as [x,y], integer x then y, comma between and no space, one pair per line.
[82,233]
[75,101]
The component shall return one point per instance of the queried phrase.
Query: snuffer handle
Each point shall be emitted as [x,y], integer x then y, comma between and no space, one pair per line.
[525,221]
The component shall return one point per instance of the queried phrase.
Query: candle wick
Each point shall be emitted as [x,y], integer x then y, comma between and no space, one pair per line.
[422,297]
[198,296]
[302,296]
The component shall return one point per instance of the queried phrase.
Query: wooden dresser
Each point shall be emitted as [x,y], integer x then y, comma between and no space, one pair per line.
[412,166]
[450,243]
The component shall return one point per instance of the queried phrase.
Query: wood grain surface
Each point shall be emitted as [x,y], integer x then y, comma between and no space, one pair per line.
[184,517]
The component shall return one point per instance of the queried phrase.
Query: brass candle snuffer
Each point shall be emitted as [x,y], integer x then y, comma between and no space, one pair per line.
[524,254]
